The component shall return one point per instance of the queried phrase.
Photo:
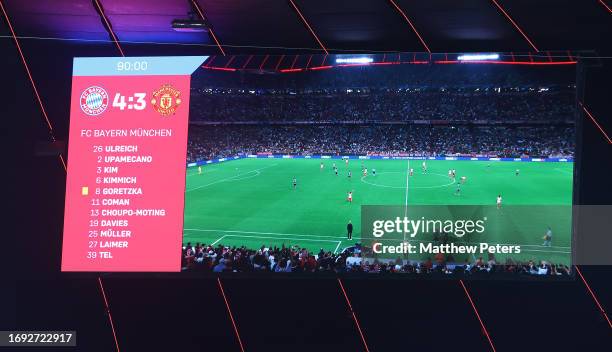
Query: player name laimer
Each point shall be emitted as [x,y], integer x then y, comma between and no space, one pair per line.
[448,248]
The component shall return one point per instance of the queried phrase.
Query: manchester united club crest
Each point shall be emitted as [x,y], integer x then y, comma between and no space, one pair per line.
[166,100]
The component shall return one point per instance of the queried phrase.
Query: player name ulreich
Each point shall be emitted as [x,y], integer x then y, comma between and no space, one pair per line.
[115,201]
[121,148]
[128,158]
[133,212]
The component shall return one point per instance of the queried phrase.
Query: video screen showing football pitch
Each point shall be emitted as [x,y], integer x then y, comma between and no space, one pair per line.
[253,203]
[283,166]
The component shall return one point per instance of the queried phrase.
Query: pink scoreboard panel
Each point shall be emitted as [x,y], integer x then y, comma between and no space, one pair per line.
[126,163]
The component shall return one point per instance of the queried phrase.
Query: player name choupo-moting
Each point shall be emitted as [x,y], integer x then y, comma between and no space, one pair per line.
[448,248]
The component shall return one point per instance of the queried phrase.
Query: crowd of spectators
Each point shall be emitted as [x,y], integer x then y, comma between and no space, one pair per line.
[392,76]
[217,141]
[208,258]
[384,105]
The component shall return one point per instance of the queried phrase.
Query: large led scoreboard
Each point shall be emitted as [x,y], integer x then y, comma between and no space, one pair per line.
[126,163]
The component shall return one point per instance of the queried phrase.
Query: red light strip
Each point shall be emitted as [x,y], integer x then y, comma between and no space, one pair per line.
[606,6]
[365,344]
[108,26]
[321,68]
[596,124]
[484,329]
[594,297]
[291,70]
[515,25]
[27,68]
[229,312]
[216,68]
[308,26]
[410,23]
[110,318]
[210,30]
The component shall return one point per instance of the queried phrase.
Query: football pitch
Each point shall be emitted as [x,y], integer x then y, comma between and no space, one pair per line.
[252,202]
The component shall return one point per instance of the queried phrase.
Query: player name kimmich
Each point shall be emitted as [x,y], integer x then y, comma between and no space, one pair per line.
[119,179]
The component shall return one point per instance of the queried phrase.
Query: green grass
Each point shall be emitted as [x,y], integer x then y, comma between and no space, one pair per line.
[252,202]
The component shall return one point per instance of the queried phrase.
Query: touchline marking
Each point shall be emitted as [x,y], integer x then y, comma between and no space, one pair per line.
[203,172]
[379,239]
[279,238]
[230,178]
[338,246]
[565,171]
[218,239]
[263,233]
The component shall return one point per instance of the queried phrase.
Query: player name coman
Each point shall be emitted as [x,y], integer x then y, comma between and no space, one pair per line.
[119,190]
[121,148]
[113,244]
[128,158]
[119,179]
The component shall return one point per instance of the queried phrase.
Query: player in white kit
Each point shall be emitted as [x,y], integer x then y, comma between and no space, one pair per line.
[499,201]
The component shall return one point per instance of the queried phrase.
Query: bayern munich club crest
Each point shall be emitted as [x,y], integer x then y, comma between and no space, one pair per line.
[94,100]
[166,100]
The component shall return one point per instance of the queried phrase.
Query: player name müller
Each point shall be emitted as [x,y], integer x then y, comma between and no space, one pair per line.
[448,248]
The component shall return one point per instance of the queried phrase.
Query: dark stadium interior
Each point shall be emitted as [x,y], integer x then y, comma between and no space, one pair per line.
[162,312]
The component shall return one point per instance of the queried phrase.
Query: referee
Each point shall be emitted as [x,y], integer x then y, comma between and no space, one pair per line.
[349,230]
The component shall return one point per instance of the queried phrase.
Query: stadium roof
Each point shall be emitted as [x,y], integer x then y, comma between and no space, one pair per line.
[319,25]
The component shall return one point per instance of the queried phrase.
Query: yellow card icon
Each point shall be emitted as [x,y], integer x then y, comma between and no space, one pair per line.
[84,191]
